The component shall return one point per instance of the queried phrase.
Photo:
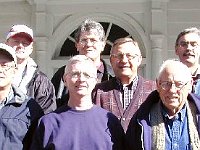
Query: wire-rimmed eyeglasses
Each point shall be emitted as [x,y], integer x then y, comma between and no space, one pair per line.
[120,56]
[185,44]
[5,66]
[166,85]
[78,74]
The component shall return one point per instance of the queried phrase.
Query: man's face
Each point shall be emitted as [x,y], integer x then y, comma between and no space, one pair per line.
[173,88]
[22,44]
[188,49]
[125,60]
[7,70]
[81,79]
[89,44]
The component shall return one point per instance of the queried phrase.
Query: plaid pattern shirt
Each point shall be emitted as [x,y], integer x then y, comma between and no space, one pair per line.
[127,92]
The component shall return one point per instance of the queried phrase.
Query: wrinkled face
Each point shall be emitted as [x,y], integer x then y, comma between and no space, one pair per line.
[22,44]
[89,44]
[7,70]
[81,79]
[125,60]
[173,88]
[188,49]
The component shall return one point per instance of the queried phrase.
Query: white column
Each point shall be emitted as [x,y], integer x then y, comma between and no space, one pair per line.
[40,33]
[40,53]
[157,49]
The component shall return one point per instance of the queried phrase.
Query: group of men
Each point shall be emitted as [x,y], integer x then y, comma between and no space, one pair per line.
[99,106]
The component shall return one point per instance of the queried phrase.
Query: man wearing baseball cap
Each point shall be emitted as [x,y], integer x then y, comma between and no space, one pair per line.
[29,78]
[15,107]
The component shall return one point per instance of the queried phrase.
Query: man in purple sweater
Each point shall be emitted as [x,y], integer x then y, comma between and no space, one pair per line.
[80,125]
[124,94]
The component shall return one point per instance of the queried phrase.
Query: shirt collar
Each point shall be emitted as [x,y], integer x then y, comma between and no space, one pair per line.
[196,72]
[180,115]
[130,86]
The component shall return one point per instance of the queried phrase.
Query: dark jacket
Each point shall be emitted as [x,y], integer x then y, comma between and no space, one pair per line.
[15,119]
[138,135]
[62,92]
[107,95]
[42,90]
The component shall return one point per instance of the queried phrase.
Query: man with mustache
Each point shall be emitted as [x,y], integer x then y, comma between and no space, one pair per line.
[187,48]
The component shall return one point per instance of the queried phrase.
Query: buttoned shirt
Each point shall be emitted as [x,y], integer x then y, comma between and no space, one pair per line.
[177,132]
[127,92]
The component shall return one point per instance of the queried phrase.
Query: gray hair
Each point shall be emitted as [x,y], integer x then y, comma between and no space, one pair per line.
[78,59]
[89,25]
[187,31]
[179,66]
[122,41]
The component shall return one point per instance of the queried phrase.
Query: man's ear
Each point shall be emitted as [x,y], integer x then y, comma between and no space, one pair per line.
[139,60]
[157,85]
[77,47]
[176,50]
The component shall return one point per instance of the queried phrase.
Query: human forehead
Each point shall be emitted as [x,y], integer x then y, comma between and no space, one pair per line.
[174,74]
[83,67]
[127,47]
[90,34]
[190,37]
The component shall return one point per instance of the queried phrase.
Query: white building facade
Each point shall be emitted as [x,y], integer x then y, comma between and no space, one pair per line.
[155,24]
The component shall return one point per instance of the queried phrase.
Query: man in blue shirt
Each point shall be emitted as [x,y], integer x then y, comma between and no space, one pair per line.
[170,117]
[16,109]
[80,125]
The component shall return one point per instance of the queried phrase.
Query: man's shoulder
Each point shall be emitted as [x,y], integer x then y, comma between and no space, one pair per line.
[108,69]
[109,84]
[195,99]
[147,83]
[41,76]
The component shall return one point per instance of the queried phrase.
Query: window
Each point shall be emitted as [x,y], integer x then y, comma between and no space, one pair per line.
[112,31]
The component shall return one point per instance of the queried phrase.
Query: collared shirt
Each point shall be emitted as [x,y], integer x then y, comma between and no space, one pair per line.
[177,131]
[100,72]
[7,99]
[196,81]
[127,92]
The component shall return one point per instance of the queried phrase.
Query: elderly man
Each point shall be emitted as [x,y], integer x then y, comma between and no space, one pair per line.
[170,117]
[187,48]
[90,41]
[81,124]
[124,94]
[29,78]
[15,107]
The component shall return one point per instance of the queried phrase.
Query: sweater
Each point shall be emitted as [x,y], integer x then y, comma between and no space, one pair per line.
[69,129]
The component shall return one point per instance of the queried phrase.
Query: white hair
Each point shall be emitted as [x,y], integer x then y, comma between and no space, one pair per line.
[179,66]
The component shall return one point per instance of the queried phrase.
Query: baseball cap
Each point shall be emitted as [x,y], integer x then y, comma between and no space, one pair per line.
[16,29]
[9,50]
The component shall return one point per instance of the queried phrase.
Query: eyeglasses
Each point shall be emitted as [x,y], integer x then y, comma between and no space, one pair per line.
[185,44]
[91,41]
[77,75]
[120,56]
[5,66]
[166,85]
